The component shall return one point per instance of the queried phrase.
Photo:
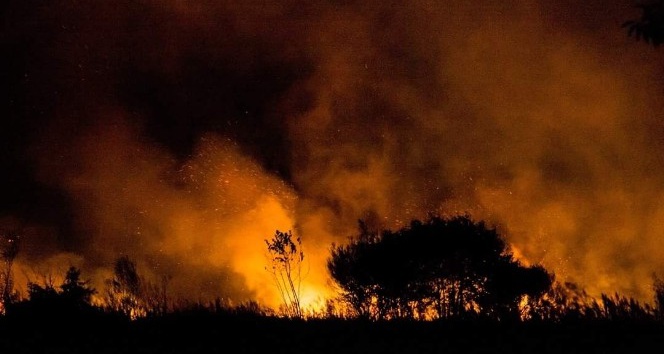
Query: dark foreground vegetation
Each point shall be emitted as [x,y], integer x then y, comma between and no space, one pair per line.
[201,332]
[442,285]
[437,286]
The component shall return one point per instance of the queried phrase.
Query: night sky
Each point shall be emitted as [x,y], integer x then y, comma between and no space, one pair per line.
[184,133]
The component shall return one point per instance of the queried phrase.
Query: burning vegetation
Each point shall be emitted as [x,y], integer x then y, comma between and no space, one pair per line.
[504,160]
[442,268]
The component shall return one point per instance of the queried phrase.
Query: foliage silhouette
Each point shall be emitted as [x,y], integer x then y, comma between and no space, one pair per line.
[650,26]
[441,268]
[658,288]
[124,293]
[568,302]
[133,295]
[576,322]
[285,265]
[71,298]
[9,248]
[74,291]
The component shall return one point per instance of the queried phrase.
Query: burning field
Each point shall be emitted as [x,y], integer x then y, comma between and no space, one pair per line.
[183,134]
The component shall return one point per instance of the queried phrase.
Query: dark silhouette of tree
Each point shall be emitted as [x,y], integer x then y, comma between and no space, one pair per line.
[134,295]
[658,288]
[155,295]
[41,294]
[440,268]
[650,26]
[74,291]
[510,283]
[285,265]
[9,247]
[124,293]
[355,272]
[72,298]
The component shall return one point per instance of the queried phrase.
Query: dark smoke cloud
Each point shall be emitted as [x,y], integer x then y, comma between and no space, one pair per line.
[131,124]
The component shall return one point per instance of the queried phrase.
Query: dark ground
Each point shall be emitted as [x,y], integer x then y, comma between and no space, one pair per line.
[203,333]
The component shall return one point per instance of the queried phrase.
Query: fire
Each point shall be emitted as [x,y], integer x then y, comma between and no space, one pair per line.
[229,121]
[313,298]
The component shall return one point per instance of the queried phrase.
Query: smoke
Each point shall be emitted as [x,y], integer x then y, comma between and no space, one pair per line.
[183,134]
[201,222]
[545,129]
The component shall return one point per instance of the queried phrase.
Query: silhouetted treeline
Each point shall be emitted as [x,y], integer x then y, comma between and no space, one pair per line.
[439,269]
[440,285]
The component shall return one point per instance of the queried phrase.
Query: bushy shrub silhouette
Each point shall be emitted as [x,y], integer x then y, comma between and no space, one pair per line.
[72,298]
[439,268]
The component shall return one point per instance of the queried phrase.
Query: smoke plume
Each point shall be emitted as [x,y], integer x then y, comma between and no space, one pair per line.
[183,134]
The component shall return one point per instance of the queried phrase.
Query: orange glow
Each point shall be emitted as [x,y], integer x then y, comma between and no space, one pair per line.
[207,233]
[523,113]
[313,298]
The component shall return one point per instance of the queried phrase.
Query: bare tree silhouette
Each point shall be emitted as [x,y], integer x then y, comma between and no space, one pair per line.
[9,248]
[285,265]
